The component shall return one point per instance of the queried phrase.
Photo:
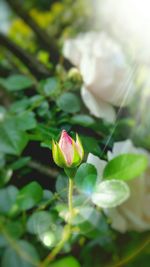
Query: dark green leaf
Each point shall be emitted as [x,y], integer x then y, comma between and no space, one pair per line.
[52,87]
[69,103]
[90,145]
[12,140]
[17,82]
[20,163]
[25,121]
[83,120]
[62,185]
[23,255]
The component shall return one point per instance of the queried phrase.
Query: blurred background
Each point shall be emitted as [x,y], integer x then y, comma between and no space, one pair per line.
[33,75]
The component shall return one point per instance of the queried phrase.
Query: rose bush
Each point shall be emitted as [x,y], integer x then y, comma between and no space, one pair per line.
[134,213]
[106,73]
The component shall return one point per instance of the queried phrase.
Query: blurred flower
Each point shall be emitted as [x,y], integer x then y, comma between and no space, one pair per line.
[134,213]
[74,75]
[105,72]
[67,153]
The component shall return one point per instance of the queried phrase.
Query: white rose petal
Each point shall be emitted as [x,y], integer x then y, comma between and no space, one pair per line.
[98,164]
[99,109]
[106,75]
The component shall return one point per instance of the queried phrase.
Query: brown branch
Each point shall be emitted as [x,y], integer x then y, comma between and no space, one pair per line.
[4,71]
[46,170]
[34,66]
[44,39]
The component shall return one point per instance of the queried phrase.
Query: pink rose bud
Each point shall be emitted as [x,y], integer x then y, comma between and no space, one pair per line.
[67,153]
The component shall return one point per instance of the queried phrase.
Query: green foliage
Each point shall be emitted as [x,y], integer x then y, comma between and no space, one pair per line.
[39,222]
[109,194]
[29,196]
[8,197]
[27,257]
[126,167]
[85,178]
[51,87]
[16,82]
[83,120]
[12,140]
[34,109]
[69,103]
[67,261]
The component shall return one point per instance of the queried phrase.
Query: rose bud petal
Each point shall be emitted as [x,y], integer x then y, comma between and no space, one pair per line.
[67,153]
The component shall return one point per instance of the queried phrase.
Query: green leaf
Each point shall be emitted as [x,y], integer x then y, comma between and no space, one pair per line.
[109,194]
[62,186]
[83,120]
[35,101]
[43,225]
[85,178]
[29,196]
[23,254]
[25,121]
[5,176]
[19,106]
[125,167]
[7,198]
[16,82]
[14,229]
[12,140]
[52,87]
[69,103]
[39,222]
[2,112]
[68,261]
[20,163]
[90,145]
[43,109]
[3,241]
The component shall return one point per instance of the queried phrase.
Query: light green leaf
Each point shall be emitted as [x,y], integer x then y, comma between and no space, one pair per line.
[109,194]
[29,196]
[43,225]
[5,176]
[125,167]
[7,198]
[39,222]
[69,103]
[68,261]
[85,178]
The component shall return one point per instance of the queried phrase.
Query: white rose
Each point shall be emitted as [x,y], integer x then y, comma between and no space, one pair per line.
[105,72]
[134,213]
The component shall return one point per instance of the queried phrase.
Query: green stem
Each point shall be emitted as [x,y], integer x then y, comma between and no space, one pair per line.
[51,256]
[70,202]
[130,257]
[66,232]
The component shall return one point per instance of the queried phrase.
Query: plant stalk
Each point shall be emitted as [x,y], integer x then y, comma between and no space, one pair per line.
[66,232]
